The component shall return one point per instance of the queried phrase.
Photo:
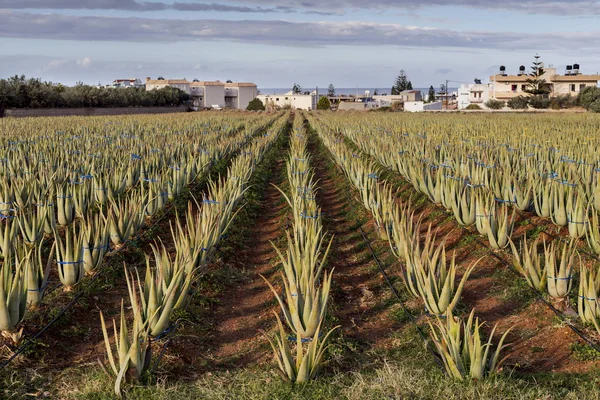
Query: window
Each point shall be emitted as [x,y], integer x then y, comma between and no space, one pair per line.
[572,87]
[286,98]
[514,88]
[277,99]
[523,88]
[582,86]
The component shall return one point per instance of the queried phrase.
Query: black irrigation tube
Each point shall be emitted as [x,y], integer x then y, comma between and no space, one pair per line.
[170,331]
[82,291]
[386,277]
[537,293]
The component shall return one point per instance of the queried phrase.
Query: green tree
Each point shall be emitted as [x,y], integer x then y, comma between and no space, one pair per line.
[331,90]
[324,104]
[402,83]
[588,96]
[431,95]
[255,105]
[535,84]
[296,89]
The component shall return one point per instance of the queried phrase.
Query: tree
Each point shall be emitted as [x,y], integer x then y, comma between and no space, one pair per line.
[518,103]
[402,83]
[324,104]
[477,81]
[431,95]
[296,89]
[588,96]
[229,81]
[493,104]
[255,105]
[535,84]
[375,93]
[331,90]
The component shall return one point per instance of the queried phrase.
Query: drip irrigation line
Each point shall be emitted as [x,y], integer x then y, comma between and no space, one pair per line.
[404,308]
[82,291]
[564,319]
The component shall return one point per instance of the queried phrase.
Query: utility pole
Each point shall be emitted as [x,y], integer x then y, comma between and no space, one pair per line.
[447,94]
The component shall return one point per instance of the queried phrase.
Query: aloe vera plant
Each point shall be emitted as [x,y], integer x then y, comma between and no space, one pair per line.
[560,268]
[13,299]
[307,362]
[8,234]
[132,349]
[69,257]
[528,262]
[65,206]
[306,304]
[577,216]
[499,227]
[436,282]
[587,301]
[461,348]
[593,233]
[155,300]
[36,275]
[31,225]
[96,242]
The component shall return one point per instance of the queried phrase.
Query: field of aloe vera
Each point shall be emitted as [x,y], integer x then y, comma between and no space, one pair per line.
[300,256]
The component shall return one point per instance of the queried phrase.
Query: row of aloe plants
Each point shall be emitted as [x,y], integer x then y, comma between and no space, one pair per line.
[79,248]
[559,180]
[551,268]
[169,278]
[427,273]
[306,284]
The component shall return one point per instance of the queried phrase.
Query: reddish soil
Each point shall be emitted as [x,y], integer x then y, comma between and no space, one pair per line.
[247,308]
[539,342]
[358,295]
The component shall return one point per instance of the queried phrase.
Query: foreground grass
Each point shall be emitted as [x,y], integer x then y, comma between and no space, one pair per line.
[406,378]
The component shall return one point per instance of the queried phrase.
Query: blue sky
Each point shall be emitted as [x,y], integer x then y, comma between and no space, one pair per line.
[275,43]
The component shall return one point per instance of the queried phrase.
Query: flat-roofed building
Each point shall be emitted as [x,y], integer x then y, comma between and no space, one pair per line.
[505,87]
[181,84]
[239,94]
[210,94]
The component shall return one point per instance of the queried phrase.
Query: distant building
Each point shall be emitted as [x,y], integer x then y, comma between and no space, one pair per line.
[474,93]
[127,83]
[505,87]
[295,101]
[210,94]
[181,84]
[420,106]
[207,94]
[239,94]
[359,105]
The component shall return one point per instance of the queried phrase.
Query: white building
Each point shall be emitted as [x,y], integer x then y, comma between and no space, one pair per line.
[420,106]
[239,94]
[473,93]
[126,83]
[296,101]
[210,94]
[207,94]
[181,84]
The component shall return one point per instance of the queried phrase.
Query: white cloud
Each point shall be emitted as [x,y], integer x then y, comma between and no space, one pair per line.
[281,33]
[85,62]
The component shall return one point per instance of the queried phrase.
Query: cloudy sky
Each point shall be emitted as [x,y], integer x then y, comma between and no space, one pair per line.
[274,43]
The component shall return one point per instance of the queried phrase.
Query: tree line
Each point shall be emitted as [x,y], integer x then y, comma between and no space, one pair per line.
[22,92]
